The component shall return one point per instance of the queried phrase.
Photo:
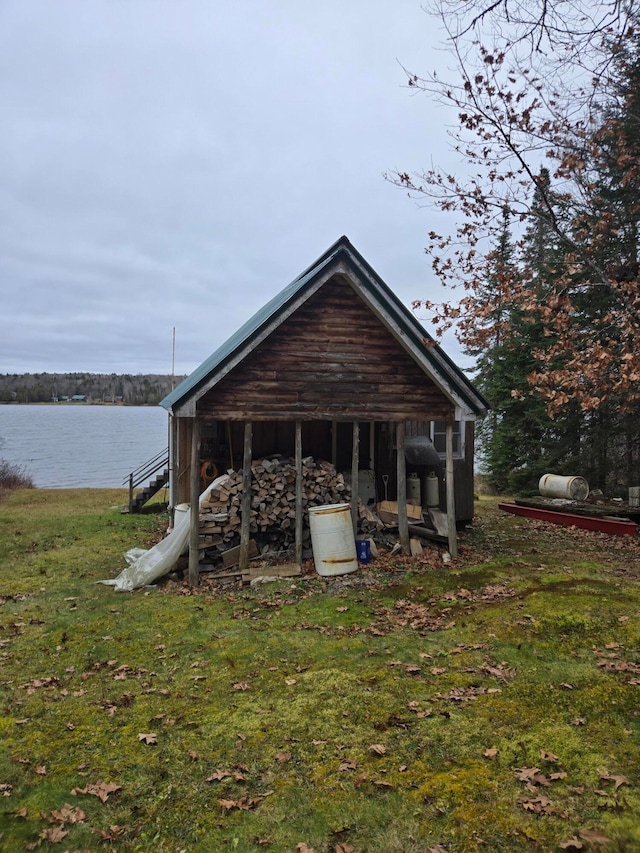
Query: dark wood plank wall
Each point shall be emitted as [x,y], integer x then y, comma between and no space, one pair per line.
[331,360]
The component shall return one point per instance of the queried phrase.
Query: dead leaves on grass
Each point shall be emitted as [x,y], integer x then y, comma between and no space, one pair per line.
[243,804]
[101,790]
[593,837]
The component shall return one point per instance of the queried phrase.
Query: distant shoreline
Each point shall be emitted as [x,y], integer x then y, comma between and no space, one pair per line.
[74,403]
[98,389]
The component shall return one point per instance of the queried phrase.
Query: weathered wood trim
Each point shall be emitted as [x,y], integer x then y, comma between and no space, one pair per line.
[299,508]
[245,523]
[194,489]
[401,495]
[355,465]
[451,492]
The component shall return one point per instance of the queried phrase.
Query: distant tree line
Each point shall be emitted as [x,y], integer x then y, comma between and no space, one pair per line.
[133,390]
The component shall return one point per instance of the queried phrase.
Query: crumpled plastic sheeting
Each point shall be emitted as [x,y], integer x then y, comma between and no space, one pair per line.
[146,567]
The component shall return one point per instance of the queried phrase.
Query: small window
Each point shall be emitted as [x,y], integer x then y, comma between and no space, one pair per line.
[439,438]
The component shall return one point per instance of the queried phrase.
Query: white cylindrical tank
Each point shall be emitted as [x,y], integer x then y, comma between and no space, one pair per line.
[433,489]
[556,486]
[414,492]
[332,539]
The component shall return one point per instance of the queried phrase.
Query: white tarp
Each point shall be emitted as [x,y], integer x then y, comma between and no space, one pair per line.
[146,567]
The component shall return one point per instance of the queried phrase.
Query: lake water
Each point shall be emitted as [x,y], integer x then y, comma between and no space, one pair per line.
[67,445]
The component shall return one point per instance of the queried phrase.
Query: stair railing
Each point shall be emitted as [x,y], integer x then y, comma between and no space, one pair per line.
[145,471]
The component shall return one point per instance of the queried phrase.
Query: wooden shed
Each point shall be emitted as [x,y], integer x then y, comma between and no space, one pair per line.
[336,367]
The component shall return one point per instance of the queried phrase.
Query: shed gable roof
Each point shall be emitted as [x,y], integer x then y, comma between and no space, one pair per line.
[343,258]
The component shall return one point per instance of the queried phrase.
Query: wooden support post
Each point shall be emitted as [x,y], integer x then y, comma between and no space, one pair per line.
[401,475]
[245,532]
[194,500]
[451,495]
[299,512]
[172,466]
[355,465]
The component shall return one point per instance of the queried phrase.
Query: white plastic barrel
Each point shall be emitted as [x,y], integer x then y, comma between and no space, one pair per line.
[556,486]
[332,539]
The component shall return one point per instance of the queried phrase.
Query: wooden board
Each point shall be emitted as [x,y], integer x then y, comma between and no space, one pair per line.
[388,512]
[232,556]
[285,570]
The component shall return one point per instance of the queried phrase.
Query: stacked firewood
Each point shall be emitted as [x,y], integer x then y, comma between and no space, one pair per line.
[273,505]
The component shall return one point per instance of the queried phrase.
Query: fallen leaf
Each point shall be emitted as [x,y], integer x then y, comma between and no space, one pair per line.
[539,805]
[571,844]
[242,685]
[290,681]
[304,848]
[594,836]
[21,812]
[343,847]
[490,753]
[378,748]
[526,774]
[100,789]
[218,776]
[41,770]
[111,834]
[67,814]
[348,765]
[149,738]
[618,780]
[54,835]
[282,757]
[244,803]
[547,756]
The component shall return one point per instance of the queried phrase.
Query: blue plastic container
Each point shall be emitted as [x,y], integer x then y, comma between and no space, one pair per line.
[363,549]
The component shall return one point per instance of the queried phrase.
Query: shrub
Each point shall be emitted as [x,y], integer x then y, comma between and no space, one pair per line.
[13,476]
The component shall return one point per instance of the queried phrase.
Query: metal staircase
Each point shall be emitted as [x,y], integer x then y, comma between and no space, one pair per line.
[137,499]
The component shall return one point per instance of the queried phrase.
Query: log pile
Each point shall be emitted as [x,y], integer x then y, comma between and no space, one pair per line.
[273,509]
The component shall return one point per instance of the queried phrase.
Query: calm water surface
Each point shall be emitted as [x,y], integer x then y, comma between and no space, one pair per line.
[64,446]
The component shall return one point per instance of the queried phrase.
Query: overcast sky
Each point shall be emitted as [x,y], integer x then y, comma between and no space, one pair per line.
[178,162]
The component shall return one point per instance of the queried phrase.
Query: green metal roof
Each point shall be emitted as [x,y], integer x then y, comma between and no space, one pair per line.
[341,251]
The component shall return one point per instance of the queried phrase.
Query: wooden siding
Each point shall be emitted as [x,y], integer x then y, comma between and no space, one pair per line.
[331,360]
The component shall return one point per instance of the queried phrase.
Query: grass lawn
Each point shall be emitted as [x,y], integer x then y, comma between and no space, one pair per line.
[490,704]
